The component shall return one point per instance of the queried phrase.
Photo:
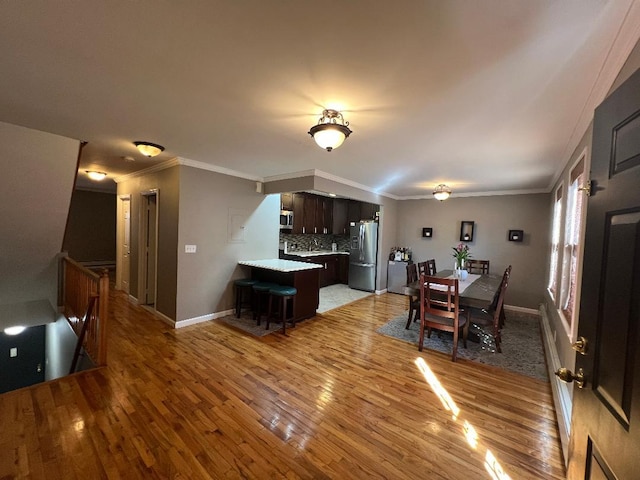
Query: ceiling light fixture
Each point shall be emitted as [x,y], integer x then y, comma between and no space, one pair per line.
[149,149]
[442,192]
[328,133]
[97,176]
[14,330]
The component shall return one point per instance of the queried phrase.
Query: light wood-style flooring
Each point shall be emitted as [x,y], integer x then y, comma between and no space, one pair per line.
[332,399]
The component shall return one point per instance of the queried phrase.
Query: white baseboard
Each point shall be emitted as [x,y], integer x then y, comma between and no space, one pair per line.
[380,292]
[203,318]
[515,308]
[561,394]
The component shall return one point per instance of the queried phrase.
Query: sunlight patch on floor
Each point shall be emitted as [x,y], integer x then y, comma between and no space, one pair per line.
[491,463]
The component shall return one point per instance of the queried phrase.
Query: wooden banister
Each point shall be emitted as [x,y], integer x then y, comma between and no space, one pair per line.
[81,286]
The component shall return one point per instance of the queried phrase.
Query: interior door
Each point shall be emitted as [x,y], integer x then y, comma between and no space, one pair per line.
[605,427]
[126,244]
[151,245]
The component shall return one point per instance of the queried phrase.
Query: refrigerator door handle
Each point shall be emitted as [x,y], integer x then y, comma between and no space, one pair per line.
[361,242]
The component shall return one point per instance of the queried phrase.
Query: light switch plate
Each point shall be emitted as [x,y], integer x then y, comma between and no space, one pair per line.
[13,352]
[190,248]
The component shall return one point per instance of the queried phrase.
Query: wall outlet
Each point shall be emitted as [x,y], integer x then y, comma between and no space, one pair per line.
[190,249]
[13,352]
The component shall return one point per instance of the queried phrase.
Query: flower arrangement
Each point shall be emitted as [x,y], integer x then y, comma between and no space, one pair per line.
[461,253]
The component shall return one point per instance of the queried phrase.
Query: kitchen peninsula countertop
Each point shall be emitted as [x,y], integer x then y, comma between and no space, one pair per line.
[314,253]
[279,265]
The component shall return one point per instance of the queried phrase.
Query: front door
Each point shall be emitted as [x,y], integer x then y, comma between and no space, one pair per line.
[605,427]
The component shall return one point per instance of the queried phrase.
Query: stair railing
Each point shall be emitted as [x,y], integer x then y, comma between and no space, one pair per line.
[81,287]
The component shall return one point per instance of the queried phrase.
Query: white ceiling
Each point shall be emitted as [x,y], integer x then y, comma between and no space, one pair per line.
[487,96]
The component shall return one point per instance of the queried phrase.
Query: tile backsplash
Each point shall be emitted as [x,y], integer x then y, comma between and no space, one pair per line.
[305,242]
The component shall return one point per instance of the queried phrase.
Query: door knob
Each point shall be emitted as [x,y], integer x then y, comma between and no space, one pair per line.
[580,345]
[568,376]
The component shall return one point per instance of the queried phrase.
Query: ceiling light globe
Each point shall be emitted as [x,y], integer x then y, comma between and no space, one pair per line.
[442,192]
[328,137]
[97,176]
[331,130]
[149,149]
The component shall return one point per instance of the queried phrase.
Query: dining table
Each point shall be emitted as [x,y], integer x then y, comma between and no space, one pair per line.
[476,291]
[479,290]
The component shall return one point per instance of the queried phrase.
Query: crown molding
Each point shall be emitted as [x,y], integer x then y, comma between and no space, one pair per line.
[215,168]
[172,162]
[478,194]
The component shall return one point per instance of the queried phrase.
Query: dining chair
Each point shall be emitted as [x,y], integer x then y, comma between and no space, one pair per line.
[505,278]
[492,317]
[414,301]
[422,268]
[431,267]
[478,266]
[439,310]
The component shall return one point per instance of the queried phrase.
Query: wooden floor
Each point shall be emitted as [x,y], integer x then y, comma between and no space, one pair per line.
[332,399]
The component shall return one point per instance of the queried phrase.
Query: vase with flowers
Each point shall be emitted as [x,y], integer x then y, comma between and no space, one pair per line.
[461,253]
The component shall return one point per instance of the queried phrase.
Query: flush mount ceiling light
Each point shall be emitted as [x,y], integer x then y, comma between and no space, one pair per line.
[14,330]
[442,192]
[149,149]
[97,176]
[331,130]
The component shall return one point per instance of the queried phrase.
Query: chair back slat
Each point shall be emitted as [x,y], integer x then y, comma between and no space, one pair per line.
[478,266]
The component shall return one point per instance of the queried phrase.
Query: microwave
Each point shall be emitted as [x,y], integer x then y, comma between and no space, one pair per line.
[286,219]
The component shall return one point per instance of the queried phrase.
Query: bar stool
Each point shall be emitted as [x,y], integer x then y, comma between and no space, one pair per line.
[243,285]
[261,293]
[283,293]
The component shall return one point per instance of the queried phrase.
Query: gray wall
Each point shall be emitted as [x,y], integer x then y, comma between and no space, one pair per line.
[167,183]
[91,230]
[207,202]
[38,171]
[493,217]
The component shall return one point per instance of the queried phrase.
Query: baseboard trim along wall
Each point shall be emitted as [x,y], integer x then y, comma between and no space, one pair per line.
[561,394]
[203,318]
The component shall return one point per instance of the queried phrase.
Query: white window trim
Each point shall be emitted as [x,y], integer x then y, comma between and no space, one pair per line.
[571,325]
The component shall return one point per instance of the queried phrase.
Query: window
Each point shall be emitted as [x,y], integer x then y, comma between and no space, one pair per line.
[555,244]
[572,238]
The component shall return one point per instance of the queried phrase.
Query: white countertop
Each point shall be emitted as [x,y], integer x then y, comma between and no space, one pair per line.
[315,253]
[279,265]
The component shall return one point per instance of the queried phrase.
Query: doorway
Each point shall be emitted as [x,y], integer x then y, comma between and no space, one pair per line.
[123,276]
[148,248]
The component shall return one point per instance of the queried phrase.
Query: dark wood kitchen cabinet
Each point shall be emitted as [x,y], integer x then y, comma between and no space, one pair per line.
[324,215]
[298,212]
[329,274]
[340,216]
[368,211]
[286,201]
[309,215]
[343,269]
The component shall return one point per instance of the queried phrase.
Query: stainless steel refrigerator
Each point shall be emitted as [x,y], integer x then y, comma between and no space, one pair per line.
[363,254]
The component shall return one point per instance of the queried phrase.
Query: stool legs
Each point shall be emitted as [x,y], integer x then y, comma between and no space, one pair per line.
[282,300]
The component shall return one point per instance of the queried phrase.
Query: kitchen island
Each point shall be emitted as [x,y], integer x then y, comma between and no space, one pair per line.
[301,275]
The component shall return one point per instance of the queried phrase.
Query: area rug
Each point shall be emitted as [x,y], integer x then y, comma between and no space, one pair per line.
[522,350]
[247,324]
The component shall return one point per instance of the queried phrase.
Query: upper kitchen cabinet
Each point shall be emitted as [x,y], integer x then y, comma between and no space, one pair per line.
[361,211]
[312,213]
[353,211]
[298,212]
[286,201]
[340,216]
[309,215]
[324,215]
[368,211]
